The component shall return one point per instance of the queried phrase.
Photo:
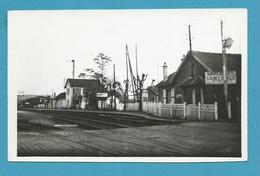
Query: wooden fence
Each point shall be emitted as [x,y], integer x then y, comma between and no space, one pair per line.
[178,111]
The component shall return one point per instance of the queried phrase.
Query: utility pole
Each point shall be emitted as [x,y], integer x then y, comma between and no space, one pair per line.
[114,87]
[137,76]
[224,70]
[131,75]
[141,92]
[136,60]
[190,38]
[112,99]
[126,83]
[73,68]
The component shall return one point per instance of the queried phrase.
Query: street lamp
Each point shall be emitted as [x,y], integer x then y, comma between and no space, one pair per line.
[226,44]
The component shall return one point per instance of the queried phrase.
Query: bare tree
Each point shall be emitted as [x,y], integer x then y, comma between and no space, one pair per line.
[101,60]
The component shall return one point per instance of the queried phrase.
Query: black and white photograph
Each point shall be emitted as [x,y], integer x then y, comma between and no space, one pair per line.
[162,85]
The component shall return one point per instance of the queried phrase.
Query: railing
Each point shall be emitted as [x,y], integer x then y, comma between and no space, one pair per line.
[178,111]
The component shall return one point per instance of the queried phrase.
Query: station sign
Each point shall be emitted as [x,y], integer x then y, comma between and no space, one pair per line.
[218,77]
[102,95]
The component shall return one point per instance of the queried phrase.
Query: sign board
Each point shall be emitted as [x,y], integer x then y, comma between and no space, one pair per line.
[218,77]
[102,95]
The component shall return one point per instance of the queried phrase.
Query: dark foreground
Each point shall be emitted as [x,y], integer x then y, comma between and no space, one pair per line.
[70,133]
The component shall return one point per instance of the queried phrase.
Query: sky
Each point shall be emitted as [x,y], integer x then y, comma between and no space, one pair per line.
[41,44]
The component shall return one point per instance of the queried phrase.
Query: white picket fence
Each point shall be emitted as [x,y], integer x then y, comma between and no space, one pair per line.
[178,111]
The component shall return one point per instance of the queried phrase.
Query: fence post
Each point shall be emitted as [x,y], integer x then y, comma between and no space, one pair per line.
[184,110]
[216,111]
[159,109]
[199,111]
[171,109]
[229,110]
[154,108]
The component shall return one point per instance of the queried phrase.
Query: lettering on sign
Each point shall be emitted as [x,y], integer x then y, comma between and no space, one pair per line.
[218,77]
[102,95]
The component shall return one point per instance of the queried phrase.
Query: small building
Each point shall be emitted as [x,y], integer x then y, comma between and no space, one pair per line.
[150,94]
[164,87]
[36,102]
[82,93]
[188,83]
[60,101]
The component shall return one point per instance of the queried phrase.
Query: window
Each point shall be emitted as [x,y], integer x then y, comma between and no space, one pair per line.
[76,91]
[68,91]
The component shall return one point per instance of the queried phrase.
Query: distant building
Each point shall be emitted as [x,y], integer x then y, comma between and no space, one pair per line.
[188,84]
[22,98]
[36,102]
[60,101]
[150,94]
[82,93]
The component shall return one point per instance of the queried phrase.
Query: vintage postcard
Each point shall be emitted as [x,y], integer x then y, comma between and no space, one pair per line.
[165,85]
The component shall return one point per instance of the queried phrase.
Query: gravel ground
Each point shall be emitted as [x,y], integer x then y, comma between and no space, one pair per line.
[44,135]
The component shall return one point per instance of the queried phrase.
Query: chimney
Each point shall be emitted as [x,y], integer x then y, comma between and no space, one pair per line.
[165,71]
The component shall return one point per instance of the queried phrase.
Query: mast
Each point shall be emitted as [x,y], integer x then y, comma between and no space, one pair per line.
[136,60]
[126,82]
[131,75]
[190,38]
[114,85]
[137,76]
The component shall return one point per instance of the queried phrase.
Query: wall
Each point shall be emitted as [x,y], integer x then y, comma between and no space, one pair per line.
[60,104]
[69,96]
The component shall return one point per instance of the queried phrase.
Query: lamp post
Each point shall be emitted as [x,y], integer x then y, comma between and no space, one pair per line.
[226,44]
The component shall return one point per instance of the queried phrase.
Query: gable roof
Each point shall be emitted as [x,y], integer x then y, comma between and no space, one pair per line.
[84,83]
[212,62]
[61,96]
[153,89]
[192,82]
[166,82]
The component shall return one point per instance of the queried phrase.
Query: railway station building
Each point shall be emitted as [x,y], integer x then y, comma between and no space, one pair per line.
[191,82]
[82,93]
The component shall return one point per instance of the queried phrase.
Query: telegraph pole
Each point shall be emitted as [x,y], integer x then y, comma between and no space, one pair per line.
[137,76]
[141,83]
[114,86]
[136,60]
[190,38]
[73,68]
[126,83]
[225,71]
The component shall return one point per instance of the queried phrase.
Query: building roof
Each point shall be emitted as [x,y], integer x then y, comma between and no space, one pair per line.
[61,96]
[153,89]
[21,98]
[191,82]
[84,83]
[212,62]
[166,82]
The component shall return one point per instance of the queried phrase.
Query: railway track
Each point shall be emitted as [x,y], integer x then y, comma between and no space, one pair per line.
[132,142]
[101,121]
